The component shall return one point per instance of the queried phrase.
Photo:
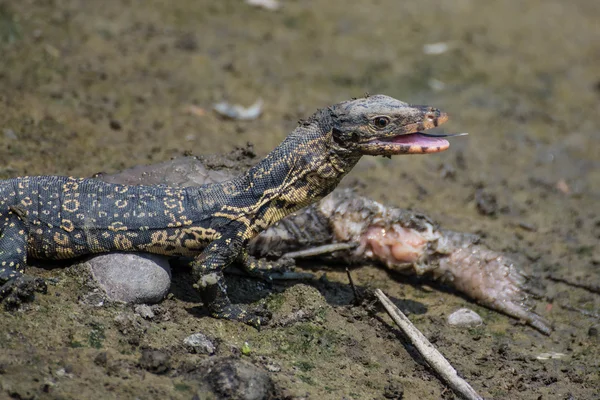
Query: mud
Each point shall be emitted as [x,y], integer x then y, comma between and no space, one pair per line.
[100,86]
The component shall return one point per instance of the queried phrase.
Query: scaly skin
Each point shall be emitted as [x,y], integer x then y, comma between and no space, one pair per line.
[62,217]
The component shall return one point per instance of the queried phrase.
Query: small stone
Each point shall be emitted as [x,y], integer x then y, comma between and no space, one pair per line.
[266,4]
[132,277]
[132,326]
[550,355]
[10,134]
[527,226]
[95,298]
[246,350]
[101,359]
[155,361]
[272,366]
[199,344]
[237,379]
[435,48]
[394,391]
[187,42]
[593,331]
[145,311]
[487,204]
[464,317]
[115,125]
[447,171]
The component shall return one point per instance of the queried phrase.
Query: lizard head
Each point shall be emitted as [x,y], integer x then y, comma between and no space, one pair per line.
[382,125]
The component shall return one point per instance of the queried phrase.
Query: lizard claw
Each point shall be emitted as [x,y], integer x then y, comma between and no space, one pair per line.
[21,289]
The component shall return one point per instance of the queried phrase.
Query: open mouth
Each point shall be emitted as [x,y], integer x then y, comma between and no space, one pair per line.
[409,138]
[420,142]
[411,143]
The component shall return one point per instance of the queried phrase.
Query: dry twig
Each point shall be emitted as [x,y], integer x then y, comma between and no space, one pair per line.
[320,250]
[433,357]
[357,295]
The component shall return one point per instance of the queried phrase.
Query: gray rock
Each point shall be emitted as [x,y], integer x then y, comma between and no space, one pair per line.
[199,343]
[239,379]
[132,277]
[464,317]
[155,361]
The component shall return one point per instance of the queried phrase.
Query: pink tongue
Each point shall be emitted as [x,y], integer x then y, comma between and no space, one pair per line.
[417,143]
[417,139]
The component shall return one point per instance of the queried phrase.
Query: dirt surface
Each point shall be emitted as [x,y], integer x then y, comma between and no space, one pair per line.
[99,86]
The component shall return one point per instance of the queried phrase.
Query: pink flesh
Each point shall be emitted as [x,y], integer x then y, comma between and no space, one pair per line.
[397,245]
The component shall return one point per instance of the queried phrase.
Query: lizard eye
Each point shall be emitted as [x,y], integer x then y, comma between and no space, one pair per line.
[381,122]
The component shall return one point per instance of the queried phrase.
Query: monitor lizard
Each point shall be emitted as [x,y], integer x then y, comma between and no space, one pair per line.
[346,228]
[53,217]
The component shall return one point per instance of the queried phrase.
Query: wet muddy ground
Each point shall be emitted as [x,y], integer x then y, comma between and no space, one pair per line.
[100,86]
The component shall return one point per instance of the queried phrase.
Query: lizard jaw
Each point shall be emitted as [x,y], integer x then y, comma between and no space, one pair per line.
[411,143]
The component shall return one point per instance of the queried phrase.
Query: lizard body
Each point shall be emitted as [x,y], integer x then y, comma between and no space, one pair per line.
[62,217]
[347,228]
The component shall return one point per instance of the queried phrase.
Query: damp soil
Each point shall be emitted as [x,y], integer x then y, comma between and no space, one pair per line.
[89,87]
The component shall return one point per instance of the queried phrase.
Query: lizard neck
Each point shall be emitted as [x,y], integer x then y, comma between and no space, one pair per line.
[304,168]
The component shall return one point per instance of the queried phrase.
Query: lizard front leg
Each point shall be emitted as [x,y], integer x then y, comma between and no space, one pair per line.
[15,287]
[207,270]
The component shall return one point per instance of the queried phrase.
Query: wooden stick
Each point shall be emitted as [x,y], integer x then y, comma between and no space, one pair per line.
[357,296]
[316,251]
[433,357]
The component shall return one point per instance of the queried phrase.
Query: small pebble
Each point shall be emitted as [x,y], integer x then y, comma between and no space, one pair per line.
[61,372]
[435,48]
[187,42]
[10,134]
[238,112]
[527,226]
[272,366]
[266,4]
[486,202]
[155,361]
[436,85]
[115,125]
[246,350]
[551,355]
[101,359]
[144,311]
[237,379]
[199,344]
[464,317]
